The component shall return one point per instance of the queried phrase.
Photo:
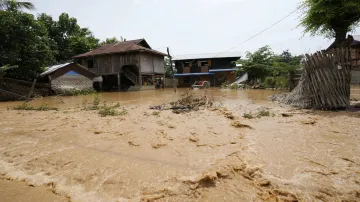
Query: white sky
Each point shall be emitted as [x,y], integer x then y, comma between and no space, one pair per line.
[192,26]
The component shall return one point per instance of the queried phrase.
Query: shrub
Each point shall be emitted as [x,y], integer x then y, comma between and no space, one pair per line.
[248,116]
[26,106]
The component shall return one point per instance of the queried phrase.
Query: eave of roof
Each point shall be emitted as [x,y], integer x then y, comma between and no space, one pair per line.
[121,47]
[207,56]
[193,74]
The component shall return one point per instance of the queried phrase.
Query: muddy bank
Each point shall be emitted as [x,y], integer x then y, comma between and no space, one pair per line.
[213,154]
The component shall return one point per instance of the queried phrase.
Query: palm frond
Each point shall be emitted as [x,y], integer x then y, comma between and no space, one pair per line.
[15,5]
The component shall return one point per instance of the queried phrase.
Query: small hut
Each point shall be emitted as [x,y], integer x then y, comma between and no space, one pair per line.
[70,76]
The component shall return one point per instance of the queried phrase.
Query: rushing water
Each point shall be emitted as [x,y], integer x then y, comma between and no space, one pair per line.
[147,97]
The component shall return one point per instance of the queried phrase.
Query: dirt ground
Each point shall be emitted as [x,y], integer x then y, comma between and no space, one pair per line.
[213,154]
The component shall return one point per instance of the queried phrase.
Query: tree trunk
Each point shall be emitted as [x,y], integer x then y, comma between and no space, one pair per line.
[340,37]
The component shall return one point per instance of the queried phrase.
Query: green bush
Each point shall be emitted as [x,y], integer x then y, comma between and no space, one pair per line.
[263,113]
[111,111]
[248,116]
[26,106]
[75,92]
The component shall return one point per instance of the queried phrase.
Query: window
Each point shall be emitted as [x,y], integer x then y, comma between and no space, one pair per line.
[90,64]
[204,63]
[186,64]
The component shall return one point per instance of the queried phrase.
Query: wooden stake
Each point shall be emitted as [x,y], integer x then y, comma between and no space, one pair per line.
[31,91]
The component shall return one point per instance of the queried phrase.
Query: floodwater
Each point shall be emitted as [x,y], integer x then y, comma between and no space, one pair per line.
[146,97]
[197,156]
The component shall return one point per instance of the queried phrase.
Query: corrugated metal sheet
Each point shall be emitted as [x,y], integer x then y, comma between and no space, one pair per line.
[222,70]
[194,74]
[208,56]
[53,68]
[125,46]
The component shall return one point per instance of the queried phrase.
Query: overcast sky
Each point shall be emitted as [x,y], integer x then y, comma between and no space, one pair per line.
[192,26]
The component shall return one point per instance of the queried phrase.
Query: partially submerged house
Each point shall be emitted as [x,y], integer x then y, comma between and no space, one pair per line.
[215,68]
[69,76]
[125,65]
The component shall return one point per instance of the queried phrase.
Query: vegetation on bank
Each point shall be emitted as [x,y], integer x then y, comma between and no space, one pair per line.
[105,109]
[26,106]
[267,69]
[75,92]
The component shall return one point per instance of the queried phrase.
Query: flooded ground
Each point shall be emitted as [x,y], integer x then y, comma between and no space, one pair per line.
[213,154]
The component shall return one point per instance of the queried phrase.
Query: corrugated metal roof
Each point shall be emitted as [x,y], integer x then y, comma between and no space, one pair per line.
[194,74]
[208,56]
[125,46]
[53,68]
[221,70]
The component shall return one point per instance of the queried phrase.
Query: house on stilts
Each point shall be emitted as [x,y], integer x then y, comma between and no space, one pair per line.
[127,65]
[216,68]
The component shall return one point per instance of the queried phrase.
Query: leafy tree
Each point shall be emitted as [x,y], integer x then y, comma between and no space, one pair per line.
[286,63]
[67,37]
[331,18]
[258,64]
[168,71]
[15,5]
[23,42]
[112,40]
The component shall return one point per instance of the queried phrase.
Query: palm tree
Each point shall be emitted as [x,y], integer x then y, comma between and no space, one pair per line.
[15,5]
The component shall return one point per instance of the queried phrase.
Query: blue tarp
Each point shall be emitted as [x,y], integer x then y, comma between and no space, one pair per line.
[194,74]
[222,70]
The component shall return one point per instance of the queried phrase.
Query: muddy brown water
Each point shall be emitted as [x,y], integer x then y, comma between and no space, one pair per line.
[146,97]
[77,155]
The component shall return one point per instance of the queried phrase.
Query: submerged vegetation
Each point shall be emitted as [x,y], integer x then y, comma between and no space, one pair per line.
[28,107]
[75,92]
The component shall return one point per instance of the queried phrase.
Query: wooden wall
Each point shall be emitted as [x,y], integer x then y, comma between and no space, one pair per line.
[111,64]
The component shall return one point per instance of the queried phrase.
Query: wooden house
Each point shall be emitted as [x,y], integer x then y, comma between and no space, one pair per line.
[125,65]
[215,68]
[354,43]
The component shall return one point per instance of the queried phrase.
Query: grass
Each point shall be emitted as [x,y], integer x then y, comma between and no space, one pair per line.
[75,92]
[263,113]
[111,111]
[237,124]
[248,116]
[28,107]
[95,104]
[155,113]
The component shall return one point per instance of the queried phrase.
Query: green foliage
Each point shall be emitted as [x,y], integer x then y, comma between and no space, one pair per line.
[12,5]
[76,92]
[111,111]
[112,40]
[168,71]
[248,116]
[95,105]
[67,37]
[26,106]
[270,69]
[262,113]
[330,18]
[155,113]
[258,64]
[24,42]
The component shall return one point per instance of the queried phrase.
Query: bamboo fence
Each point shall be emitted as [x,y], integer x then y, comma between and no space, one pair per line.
[325,81]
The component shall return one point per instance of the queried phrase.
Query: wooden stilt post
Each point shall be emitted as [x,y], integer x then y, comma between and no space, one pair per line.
[118,79]
[31,91]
